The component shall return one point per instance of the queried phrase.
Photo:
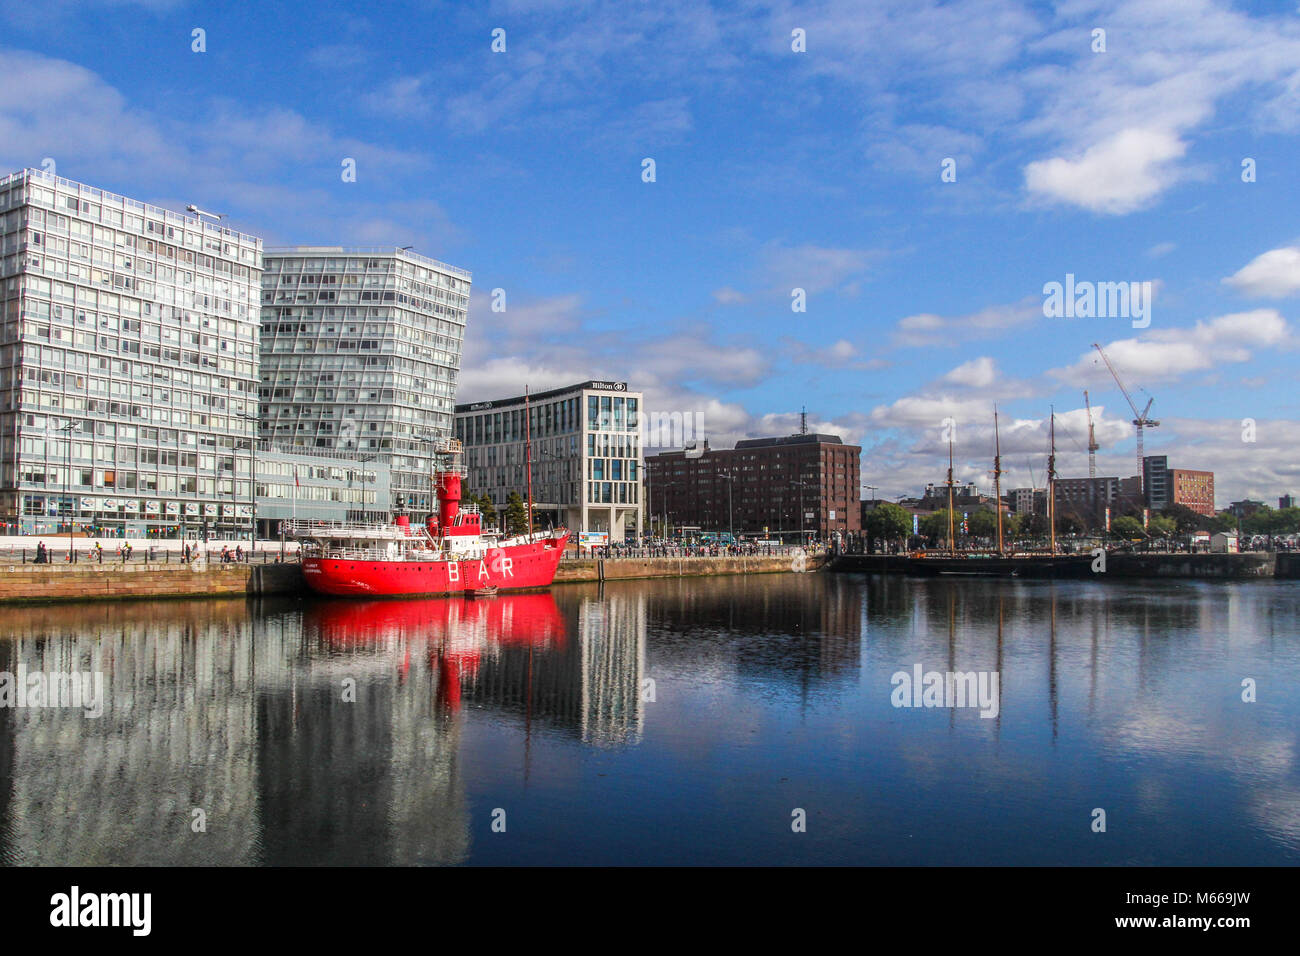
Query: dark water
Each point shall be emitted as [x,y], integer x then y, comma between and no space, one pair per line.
[771,694]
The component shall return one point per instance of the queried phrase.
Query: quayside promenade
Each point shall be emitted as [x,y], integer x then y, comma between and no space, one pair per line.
[160,575]
[1249,565]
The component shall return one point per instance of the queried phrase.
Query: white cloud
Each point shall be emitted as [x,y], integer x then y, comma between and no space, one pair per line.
[926,329]
[1166,354]
[815,268]
[729,296]
[839,354]
[1272,275]
[977,373]
[1118,175]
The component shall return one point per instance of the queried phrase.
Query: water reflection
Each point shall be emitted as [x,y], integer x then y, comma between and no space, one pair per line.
[664,721]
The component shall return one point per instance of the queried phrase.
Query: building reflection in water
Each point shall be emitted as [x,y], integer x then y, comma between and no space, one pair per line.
[790,631]
[178,732]
[308,733]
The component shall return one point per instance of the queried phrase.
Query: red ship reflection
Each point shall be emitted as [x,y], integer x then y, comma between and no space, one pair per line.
[454,633]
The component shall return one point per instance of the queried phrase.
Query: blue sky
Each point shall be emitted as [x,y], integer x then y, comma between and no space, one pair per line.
[775,170]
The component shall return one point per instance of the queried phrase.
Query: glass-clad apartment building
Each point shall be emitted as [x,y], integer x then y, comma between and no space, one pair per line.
[360,351]
[587,455]
[128,364]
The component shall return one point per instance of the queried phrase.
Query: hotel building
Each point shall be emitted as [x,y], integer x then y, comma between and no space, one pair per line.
[801,485]
[360,350]
[128,364]
[587,455]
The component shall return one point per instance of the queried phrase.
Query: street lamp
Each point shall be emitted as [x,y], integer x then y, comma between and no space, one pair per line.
[730,478]
[252,480]
[67,472]
[802,531]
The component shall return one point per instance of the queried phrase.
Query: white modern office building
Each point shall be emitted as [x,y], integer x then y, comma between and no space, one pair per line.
[360,351]
[321,486]
[128,364]
[586,454]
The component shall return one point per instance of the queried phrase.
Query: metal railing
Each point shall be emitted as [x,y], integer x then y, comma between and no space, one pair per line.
[686,552]
[376,251]
[327,528]
[142,555]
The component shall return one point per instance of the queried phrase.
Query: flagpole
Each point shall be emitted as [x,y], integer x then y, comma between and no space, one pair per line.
[528,452]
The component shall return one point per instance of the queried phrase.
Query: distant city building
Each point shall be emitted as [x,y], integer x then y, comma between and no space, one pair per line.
[1088,498]
[128,364]
[1155,480]
[360,352]
[1166,486]
[1244,508]
[1195,489]
[1027,501]
[586,452]
[779,486]
[1286,501]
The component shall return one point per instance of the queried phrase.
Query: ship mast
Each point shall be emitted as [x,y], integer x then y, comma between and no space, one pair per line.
[951,547]
[997,478]
[528,455]
[1051,483]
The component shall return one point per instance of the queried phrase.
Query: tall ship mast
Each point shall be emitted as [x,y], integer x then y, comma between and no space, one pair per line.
[951,547]
[1051,483]
[997,479]
[450,553]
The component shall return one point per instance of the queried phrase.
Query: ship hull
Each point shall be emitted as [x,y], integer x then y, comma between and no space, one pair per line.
[517,567]
[1035,566]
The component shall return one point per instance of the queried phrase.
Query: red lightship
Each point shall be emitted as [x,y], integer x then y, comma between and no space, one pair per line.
[451,553]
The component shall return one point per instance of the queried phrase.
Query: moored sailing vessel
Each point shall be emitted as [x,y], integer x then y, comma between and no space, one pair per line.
[450,553]
[1029,564]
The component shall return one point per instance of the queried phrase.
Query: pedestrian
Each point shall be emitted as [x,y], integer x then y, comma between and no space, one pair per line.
[40,552]
[225,554]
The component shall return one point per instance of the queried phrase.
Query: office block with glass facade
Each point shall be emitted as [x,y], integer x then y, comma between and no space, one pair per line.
[360,350]
[587,455]
[128,364]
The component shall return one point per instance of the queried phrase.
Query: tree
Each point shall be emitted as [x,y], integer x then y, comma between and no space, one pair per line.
[516,515]
[935,527]
[487,509]
[1126,527]
[1161,526]
[1260,522]
[1223,521]
[1288,521]
[888,522]
[1185,519]
[1070,524]
[1036,525]
[983,523]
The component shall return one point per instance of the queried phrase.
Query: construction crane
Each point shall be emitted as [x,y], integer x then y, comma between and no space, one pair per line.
[1141,420]
[1092,439]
